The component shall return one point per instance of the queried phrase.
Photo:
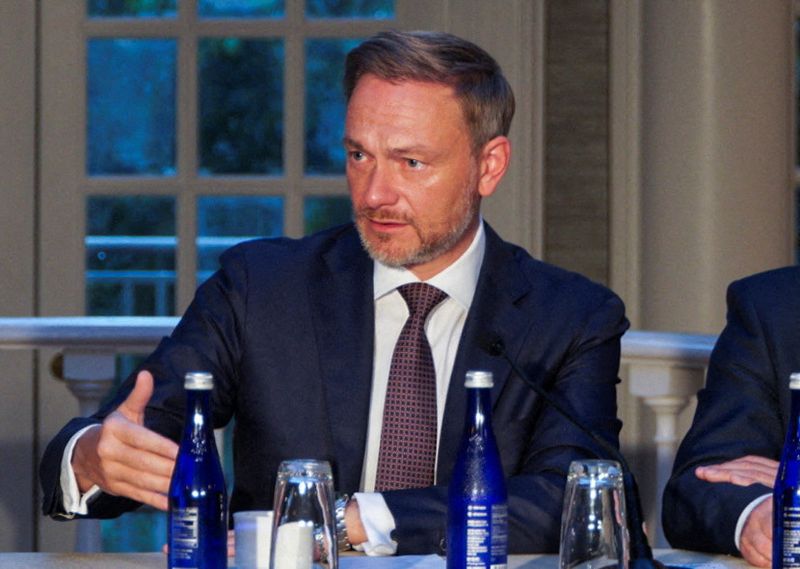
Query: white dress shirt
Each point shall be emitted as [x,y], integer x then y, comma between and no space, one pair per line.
[443,328]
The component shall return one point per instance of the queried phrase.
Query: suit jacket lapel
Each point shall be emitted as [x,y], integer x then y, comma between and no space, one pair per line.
[500,286]
[341,297]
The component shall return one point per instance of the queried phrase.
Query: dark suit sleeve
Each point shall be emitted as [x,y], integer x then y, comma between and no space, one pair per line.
[205,339]
[577,360]
[738,414]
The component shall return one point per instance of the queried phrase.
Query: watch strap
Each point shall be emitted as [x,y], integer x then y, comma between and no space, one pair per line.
[340,505]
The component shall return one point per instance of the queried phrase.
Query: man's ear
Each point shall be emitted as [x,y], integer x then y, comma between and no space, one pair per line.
[494,158]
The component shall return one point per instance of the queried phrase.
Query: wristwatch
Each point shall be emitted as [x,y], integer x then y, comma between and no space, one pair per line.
[341,529]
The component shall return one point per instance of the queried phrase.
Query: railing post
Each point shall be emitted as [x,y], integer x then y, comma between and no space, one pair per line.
[89,376]
[666,389]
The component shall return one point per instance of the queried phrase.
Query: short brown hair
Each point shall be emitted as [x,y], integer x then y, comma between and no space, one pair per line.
[486,98]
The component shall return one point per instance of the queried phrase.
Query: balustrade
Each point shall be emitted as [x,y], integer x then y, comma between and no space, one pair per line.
[663,370]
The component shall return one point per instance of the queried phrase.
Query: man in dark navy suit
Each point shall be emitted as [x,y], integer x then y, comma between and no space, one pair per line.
[719,496]
[299,334]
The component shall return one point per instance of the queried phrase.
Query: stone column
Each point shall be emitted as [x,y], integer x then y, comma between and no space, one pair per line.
[716,128]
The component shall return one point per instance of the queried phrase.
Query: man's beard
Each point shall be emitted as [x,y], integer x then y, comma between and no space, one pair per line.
[432,243]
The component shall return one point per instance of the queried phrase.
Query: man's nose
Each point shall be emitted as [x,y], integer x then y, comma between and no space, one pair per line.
[381,189]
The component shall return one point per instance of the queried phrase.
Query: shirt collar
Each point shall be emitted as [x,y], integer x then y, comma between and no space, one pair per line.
[458,280]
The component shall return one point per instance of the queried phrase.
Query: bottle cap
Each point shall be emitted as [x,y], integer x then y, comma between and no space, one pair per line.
[479,379]
[198,380]
[794,380]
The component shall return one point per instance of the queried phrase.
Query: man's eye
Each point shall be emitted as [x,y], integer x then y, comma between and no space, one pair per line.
[414,163]
[357,155]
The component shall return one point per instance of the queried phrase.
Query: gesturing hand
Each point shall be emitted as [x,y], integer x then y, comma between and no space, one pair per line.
[742,471]
[123,457]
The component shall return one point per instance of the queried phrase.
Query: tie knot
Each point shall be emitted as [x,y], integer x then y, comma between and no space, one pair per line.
[421,298]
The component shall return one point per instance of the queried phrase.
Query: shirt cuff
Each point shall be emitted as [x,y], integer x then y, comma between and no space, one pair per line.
[378,523]
[73,502]
[743,518]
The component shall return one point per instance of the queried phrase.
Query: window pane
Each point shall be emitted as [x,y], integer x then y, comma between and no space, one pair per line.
[224,221]
[130,256]
[133,8]
[241,106]
[131,107]
[241,8]
[325,108]
[374,9]
[323,212]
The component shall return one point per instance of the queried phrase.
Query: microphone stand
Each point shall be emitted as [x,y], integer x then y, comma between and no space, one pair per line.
[641,555]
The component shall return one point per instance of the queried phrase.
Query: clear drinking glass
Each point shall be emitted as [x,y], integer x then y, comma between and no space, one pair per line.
[304,530]
[594,533]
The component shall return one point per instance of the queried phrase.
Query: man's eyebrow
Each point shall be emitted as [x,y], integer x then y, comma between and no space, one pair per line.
[403,150]
[347,141]
[397,151]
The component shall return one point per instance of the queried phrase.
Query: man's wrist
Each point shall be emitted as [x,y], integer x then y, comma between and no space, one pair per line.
[74,499]
[87,436]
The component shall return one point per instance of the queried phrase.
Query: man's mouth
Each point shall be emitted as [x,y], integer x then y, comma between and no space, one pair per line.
[385,223]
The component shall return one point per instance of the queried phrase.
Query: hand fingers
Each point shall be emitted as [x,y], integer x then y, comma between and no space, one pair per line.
[739,473]
[746,479]
[755,558]
[750,460]
[755,459]
[742,471]
[132,437]
[134,472]
[756,549]
[133,407]
[154,499]
[756,539]
[120,478]
[740,478]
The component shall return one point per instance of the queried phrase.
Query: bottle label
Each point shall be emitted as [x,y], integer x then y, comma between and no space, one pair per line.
[487,536]
[185,527]
[791,536]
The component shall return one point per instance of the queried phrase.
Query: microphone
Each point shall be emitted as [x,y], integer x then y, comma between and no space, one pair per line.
[641,556]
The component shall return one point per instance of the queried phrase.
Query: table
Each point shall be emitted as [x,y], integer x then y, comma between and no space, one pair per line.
[670,557]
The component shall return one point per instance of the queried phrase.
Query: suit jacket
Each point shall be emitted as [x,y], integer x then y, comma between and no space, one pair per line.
[287,329]
[743,409]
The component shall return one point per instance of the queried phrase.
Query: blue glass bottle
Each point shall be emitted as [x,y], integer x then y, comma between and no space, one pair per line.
[198,500]
[477,513]
[786,494]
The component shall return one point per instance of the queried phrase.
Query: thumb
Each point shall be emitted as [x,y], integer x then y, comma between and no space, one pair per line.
[133,407]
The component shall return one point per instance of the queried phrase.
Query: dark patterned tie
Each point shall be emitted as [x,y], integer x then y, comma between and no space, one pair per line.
[408,437]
